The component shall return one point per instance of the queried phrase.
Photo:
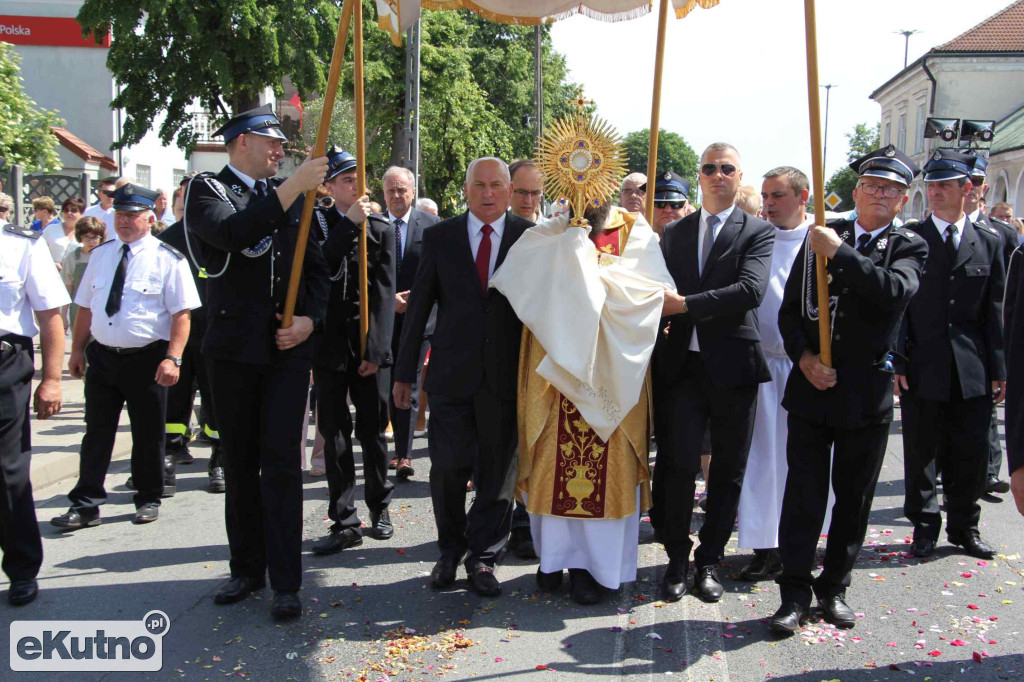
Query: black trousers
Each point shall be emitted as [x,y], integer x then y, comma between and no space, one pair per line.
[472,438]
[681,413]
[855,466]
[112,381]
[181,396]
[19,530]
[259,411]
[953,436]
[995,449]
[335,424]
[403,422]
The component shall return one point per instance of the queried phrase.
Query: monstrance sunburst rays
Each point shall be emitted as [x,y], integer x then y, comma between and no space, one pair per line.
[582,159]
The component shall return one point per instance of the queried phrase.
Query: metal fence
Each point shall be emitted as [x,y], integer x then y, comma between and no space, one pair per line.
[24,188]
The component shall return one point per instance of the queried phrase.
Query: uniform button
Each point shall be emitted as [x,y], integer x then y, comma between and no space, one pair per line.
[845,290]
[277,253]
[487,341]
[838,337]
[841,314]
[951,278]
[275,231]
[277,279]
[840,271]
[952,301]
[223,312]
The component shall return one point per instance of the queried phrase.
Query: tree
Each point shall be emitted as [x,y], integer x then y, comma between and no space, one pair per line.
[674,154]
[25,137]
[342,131]
[863,139]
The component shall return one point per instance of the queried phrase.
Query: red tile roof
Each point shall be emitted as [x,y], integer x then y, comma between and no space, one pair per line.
[1001,32]
[81,148]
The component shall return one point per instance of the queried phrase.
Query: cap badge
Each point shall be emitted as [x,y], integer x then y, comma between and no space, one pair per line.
[937,156]
[667,175]
[890,152]
[129,190]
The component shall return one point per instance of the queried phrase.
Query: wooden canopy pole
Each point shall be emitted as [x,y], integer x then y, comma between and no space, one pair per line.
[818,181]
[334,75]
[357,85]
[652,149]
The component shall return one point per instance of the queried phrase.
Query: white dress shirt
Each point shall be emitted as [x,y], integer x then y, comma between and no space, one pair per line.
[404,230]
[106,215]
[973,215]
[704,215]
[941,226]
[476,235]
[28,281]
[157,285]
[58,241]
[249,182]
[858,231]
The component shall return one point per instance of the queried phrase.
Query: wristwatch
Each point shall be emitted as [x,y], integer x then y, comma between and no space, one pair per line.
[176,361]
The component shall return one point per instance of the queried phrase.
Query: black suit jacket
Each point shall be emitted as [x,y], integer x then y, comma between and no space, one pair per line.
[246,243]
[477,337]
[870,293]
[175,236]
[1013,326]
[956,316]
[1006,233]
[406,276]
[338,343]
[722,301]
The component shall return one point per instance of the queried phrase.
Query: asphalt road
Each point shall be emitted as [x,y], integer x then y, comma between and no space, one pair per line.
[370,613]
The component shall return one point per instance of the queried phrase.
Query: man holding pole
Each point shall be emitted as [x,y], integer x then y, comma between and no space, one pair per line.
[873,271]
[242,225]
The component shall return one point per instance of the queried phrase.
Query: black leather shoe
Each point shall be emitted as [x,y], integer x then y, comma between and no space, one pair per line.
[286,606]
[922,547]
[380,525]
[583,588]
[216,470]
[404,469]
[443,573]
[337,540]
[788,619]
[73,519]
[22,592]
[707,586]
[520,542]
[765,564]
[237,589]
[974,545]
[673,583]
[483,582]
[837,612]
[183,456]
[130,484]
[549,582]
[147,513]
[170,485]
[994,485]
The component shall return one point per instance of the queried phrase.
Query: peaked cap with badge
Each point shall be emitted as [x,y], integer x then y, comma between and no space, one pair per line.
[259,121]
[949,164]
[338,161]
[980,164]
[888,163]
[134,198]
[669,186]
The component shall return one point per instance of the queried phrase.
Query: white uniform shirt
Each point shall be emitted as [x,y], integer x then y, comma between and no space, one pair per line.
[28,281]
[58,241]
[157,284]
[106,215]
[476,236]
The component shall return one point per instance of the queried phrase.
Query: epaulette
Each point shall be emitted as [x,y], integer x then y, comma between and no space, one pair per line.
[903,232]
[178,254]
[987,228]
[22,231]
[104,244]
[1002,223]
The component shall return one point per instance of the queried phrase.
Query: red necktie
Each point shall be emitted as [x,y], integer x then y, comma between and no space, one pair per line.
[483,257]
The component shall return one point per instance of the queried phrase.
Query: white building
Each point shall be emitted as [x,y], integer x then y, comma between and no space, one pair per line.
[977,75]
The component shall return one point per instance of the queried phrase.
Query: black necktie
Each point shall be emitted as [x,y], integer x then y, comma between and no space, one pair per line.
[261,188]
[951,243]
[862,244]
[398,243]
[117,284]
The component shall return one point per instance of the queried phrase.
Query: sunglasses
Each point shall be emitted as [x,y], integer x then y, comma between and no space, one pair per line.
[709,169]
[4,209]
[669,204]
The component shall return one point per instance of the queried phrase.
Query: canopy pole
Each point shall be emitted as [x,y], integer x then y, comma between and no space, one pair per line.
[652,150]
[334,75]
[364,296]
[818,180]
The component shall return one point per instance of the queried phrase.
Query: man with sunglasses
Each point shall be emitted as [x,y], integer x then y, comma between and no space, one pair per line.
[104,208]
[840,416]
[954,370]
[670,195]
[707,366]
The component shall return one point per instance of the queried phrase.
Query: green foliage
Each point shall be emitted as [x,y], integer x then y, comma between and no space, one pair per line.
[674,154]
[25,137]
[342,131]
[863,139]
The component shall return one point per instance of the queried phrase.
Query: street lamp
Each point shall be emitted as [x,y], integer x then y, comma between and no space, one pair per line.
[906,44]
[824,151]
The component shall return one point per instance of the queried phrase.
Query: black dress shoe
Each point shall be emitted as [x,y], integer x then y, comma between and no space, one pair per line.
[22,592]
[337,540]
[147,513]
[443,573]
[170,485]
[922,547]
[520,542]
[994,485]
[217,484]
[483,582]
[673,583]
[183,456]
[237,589]
[73,519]
[765,564]
[549,582]
[836,611]
[404,469]
[974,545]
[707,586]
[583,588]
[380,525]
[286,606]
[789,618]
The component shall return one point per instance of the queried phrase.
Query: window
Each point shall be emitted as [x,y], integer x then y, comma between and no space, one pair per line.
[179,175]
[885,136]
[919,132]
[143,175]
[901,133]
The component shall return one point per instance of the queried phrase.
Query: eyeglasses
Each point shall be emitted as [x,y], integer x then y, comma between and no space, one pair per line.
[887,192]
[534,194]
[669,204]
[325,202]
[91,237]
[631,192]
[4,209]
[709,169]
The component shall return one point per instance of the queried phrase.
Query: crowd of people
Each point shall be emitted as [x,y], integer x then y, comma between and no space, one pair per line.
[553,348]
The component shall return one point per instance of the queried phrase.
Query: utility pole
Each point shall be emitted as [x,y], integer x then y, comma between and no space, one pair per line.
[906,44]
[411,130]
[824,151]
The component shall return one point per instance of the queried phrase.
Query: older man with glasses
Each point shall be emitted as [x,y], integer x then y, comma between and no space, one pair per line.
[632,192]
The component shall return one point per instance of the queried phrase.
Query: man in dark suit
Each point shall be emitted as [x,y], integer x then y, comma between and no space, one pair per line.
[1013,335]
[473,375]
[340,372]
[952,339]
[408,224]
[242,224]
[707,365]
[840,415]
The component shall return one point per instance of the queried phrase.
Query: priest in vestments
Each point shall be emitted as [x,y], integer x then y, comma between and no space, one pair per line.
[590,299]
